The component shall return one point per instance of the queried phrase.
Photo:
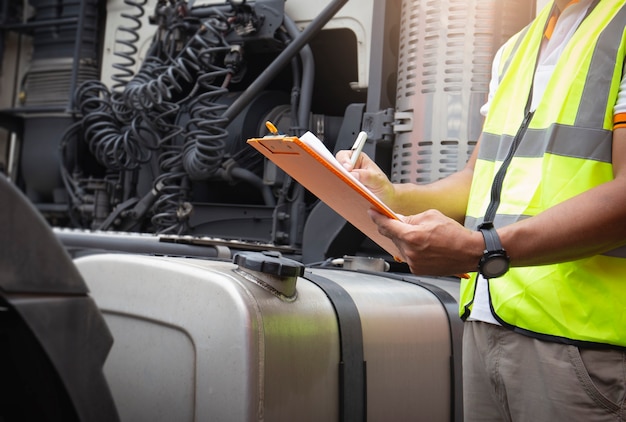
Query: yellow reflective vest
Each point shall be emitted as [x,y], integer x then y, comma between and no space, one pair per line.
[565,151]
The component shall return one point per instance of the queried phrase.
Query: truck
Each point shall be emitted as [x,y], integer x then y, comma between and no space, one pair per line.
[156,267]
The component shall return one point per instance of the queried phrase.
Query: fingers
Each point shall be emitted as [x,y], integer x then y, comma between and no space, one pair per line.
[388,226]
[368,173]
[431,243]
[345,159]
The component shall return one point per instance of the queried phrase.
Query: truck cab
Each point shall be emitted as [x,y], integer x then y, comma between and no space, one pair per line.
[218,287]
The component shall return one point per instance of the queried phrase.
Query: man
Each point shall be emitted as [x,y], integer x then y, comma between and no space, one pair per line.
[543,201]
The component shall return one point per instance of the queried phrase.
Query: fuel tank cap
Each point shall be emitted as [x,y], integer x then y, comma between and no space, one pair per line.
[269,262]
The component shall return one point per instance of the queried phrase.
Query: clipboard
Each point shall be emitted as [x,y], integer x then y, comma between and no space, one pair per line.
[307,160]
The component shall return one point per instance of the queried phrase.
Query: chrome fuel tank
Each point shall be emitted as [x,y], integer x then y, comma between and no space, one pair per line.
[264,338]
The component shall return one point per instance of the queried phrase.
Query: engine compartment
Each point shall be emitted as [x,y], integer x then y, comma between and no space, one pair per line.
[132,116]
[163,149]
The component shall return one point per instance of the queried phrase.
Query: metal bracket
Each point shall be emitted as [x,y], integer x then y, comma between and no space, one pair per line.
[403,122]
[379,125]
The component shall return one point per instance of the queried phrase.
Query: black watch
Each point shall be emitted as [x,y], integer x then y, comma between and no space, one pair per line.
[495,261]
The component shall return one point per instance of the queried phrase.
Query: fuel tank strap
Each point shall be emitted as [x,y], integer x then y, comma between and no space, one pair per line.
[352,379]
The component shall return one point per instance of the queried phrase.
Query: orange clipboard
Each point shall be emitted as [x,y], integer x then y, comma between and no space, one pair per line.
[320,173]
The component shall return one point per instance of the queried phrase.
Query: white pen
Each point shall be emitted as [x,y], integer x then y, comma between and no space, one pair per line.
[358,147]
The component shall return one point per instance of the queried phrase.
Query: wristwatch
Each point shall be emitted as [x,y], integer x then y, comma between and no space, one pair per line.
[495,261]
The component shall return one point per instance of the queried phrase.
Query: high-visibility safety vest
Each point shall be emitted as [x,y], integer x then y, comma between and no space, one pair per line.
[565,151]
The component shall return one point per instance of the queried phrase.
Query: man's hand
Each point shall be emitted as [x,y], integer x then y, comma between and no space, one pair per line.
[433,244]
[367,172]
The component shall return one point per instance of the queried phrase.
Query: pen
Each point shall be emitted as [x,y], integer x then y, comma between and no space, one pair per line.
[358,147]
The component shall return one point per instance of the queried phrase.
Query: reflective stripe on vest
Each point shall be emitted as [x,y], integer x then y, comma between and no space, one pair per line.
[565,151]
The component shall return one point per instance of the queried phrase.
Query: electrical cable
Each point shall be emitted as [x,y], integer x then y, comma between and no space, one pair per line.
[169,112]
[127,49]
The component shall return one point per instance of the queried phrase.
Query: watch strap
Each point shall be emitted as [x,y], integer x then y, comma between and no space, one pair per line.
[492,240]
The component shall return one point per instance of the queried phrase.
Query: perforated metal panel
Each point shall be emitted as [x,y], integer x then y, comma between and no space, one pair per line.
[445,54]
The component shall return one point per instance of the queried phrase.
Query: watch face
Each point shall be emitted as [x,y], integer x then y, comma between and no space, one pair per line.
[494,266]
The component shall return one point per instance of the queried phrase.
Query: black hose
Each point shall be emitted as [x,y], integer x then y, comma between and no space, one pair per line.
[127,49]
[308,79]
[283,58]
[256,181]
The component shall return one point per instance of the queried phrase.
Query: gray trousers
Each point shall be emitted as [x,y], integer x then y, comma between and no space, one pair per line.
[512,377]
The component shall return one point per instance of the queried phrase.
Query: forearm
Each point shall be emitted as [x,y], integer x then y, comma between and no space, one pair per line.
[448,195]
[591,223]
[587,224]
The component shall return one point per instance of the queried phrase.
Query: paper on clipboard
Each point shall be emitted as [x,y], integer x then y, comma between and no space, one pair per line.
[311,164]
